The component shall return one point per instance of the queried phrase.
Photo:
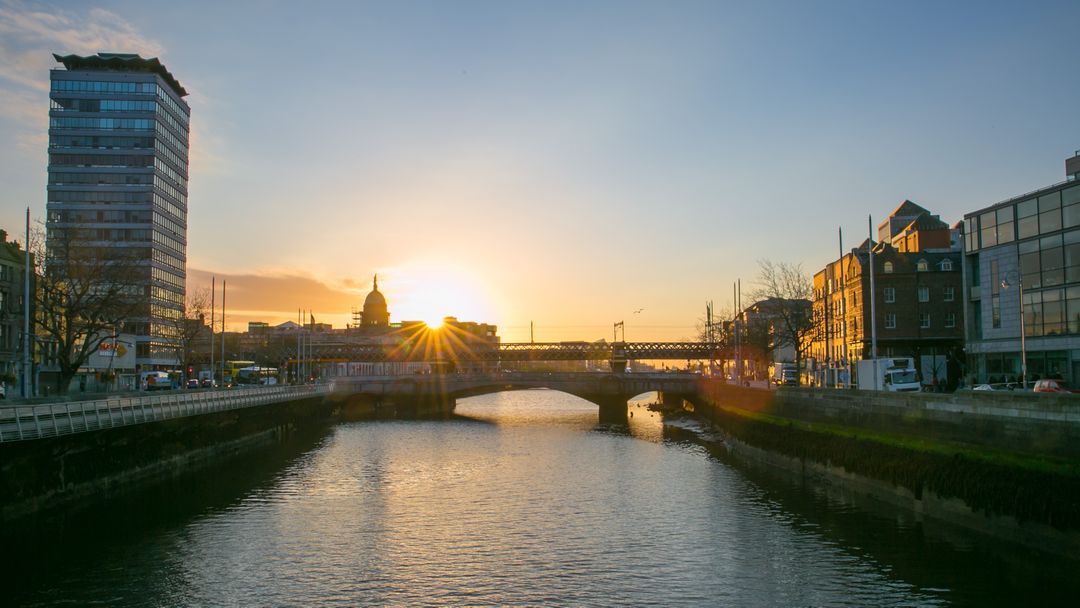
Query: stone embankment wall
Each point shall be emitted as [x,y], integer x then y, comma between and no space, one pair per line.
[43,474]
[1006,464]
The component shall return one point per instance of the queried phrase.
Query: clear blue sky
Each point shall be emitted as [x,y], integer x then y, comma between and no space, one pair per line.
[565,163]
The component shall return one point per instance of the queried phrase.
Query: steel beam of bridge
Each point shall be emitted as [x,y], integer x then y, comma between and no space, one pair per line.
[528,351]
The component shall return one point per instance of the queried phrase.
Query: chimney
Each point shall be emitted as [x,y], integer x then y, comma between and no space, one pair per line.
[1072,167]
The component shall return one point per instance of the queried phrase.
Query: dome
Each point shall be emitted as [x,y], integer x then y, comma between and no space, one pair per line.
[375,312]
[374,299]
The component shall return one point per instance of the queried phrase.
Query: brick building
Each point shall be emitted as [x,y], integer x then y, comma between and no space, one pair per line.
[12,301]
[918,301]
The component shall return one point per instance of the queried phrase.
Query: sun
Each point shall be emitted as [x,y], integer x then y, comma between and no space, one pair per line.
[428,291]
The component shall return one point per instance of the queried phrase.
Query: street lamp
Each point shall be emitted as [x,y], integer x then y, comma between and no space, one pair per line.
[1023,347]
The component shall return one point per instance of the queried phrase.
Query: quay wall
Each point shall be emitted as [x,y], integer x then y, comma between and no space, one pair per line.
[1000,464]
[45,474]
[1039,425]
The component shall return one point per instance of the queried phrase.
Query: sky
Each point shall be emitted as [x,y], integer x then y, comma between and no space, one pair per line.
[564,164]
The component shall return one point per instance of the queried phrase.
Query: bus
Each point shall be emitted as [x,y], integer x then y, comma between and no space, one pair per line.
[256,375]
[231,371]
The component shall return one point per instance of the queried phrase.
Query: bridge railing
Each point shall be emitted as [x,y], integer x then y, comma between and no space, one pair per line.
[25,422]
[514,376]
[526,351]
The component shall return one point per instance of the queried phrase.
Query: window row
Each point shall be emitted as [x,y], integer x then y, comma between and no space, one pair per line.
[128,179]
[1052,312]
[101,105]
[83,216]
[104,142]
[101,234]
[167,206]
[167,99]
[98,86]
[94,196]
[168,136]
[1050,261]
[171,173]
[101,160]
[163,276]
[171,261]
[170,243]
[1030,218]
[945,265]
[178,160]
[135,124]
[170,226]
[924,320]
[170,120]
[948,294]
[170,190]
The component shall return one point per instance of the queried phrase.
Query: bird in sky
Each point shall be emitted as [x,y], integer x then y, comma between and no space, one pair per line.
[638,310]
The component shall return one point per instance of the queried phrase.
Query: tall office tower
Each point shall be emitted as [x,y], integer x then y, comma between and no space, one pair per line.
[118,167]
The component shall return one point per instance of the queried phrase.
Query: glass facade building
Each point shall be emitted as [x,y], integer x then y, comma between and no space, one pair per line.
[118,171]
[1031,241]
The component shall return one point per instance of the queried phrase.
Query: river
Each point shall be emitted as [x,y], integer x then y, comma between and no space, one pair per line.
[521,499]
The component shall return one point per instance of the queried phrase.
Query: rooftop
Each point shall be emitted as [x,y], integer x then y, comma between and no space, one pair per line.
[121,62]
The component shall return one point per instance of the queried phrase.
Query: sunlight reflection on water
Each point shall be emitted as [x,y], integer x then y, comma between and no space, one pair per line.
[522,499]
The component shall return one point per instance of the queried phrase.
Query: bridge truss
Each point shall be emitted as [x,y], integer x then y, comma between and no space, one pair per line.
[528,351]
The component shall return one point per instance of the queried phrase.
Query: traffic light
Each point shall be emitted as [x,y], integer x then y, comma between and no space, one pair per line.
[190,371]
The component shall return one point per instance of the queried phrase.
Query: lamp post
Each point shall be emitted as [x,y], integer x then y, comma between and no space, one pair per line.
[1023,347]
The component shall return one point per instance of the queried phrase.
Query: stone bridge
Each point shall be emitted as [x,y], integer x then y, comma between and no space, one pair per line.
[438,393]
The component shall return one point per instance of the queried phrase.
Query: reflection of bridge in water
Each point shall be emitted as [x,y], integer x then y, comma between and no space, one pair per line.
[439,392]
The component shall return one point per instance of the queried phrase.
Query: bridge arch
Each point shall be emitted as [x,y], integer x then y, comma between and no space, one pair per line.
[611,392]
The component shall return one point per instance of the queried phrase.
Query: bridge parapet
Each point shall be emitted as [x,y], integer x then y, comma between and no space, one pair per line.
[25,422]
[592,386]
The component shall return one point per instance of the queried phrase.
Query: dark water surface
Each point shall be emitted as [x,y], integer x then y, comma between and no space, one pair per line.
[521,500]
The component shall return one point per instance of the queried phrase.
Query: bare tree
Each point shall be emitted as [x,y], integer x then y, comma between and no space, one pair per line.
[85,292]
[189,326]
[790,292]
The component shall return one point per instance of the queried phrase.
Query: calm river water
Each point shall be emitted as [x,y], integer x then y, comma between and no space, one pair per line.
[522,499]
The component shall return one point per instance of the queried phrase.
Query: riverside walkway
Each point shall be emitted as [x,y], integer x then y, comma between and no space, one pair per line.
[37,421]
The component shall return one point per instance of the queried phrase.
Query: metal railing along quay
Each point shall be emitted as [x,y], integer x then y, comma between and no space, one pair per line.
[23,422]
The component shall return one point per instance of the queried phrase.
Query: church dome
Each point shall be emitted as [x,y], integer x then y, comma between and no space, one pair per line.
[375,299]
[375,313]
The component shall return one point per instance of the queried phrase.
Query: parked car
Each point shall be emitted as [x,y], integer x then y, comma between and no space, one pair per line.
[1054,385]
[193,383]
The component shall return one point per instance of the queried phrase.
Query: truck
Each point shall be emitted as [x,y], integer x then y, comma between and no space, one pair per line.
[785,374]
[895,374]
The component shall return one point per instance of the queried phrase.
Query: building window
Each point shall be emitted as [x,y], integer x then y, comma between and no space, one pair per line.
[924,294]
[950,319]
[888,266]
[890,320]
[946,265]
[995,311]
[922,266]
[890,295]
[950,294]
[924,320]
